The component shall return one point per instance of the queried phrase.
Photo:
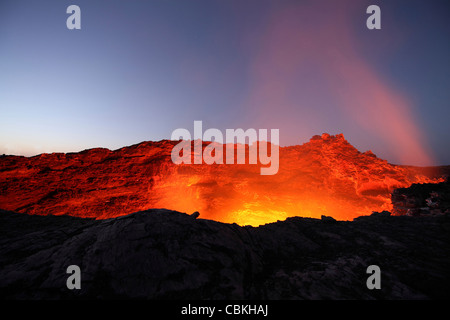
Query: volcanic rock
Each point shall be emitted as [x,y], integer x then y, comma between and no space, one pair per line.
[422,199]
[327,219]
[162,254]
[325,176]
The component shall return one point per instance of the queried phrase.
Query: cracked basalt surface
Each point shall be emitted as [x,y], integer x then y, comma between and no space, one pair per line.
[162,254]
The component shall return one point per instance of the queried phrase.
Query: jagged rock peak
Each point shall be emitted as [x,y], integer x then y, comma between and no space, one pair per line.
[326,137]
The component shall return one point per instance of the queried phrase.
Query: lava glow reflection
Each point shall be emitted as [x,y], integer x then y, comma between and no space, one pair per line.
[325,176]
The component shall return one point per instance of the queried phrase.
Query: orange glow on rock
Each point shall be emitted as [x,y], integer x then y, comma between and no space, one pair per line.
[325,176]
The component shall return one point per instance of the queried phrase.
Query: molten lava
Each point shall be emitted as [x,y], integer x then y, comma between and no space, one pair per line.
[326,176]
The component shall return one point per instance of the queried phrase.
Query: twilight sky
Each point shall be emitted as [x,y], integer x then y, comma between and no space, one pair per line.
[139,69]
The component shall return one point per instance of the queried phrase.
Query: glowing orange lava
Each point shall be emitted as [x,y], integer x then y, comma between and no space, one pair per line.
[326,176]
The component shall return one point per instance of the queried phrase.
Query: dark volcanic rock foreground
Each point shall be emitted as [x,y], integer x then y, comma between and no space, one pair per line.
[162,254]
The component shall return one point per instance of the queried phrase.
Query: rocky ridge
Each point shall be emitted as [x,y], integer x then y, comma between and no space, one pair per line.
[163,254]
[325,176]
[427,199]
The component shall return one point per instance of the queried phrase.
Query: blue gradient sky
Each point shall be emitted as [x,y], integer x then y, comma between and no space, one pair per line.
[139,69]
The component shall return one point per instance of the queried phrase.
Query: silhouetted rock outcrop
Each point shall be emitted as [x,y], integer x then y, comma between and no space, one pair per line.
[422,199]
[162,254]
